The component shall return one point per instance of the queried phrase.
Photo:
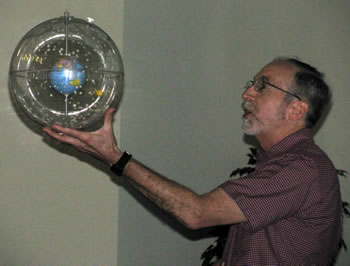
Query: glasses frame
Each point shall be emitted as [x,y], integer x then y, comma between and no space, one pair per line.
[264,82]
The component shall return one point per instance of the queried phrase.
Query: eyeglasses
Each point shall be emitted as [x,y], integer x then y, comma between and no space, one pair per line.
[261,83]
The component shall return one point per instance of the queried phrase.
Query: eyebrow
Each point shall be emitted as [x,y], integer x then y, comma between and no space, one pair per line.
[265,78]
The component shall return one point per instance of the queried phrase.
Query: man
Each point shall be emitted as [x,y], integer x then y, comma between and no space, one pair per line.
[288,211]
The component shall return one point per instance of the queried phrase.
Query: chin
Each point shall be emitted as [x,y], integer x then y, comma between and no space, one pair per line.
[250,132]
[250,128]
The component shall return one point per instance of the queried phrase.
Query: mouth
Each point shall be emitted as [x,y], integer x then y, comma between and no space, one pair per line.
[248,110]
[247,114]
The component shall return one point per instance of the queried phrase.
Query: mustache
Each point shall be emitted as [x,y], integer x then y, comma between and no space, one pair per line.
[248,107]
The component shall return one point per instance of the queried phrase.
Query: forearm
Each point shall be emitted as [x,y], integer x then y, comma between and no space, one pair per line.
[213,208]
[172,197]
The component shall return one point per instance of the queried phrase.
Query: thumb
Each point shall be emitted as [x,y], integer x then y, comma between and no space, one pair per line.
[108,118]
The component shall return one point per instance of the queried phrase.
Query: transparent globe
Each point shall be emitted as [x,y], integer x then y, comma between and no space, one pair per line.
[66,71]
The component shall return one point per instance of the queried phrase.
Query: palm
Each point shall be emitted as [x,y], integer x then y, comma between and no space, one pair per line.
[100,143]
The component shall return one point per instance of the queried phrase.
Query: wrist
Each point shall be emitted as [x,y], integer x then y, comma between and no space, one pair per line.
[119,166]
[115,156]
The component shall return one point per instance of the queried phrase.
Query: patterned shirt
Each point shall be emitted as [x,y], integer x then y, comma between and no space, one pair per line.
[292,204]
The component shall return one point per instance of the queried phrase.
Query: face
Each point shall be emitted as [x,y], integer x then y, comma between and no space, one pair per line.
[265,110]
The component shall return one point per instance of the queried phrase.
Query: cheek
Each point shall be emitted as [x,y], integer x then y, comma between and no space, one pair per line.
[266,109]
[270,112]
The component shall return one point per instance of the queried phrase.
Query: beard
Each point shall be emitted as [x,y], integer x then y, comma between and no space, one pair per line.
[251,124]
[254,123]
[251,127]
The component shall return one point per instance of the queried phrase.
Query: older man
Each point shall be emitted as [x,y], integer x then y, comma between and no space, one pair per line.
[288,211]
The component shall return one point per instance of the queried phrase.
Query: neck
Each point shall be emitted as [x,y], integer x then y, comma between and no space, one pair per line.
[269,139]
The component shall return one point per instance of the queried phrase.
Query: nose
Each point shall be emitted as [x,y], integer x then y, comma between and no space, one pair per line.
[249,93]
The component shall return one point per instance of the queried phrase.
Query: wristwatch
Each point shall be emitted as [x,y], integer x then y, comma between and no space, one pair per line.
[118,167]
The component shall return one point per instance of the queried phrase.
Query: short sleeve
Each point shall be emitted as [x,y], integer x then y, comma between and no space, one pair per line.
[276,190]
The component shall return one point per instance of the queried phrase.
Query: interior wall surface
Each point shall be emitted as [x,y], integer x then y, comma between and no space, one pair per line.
[57,206]
[186,66]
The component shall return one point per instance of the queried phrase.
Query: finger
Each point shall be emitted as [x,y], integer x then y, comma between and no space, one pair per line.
[68,140]
[108,118]
[70,132]
[51,132]
[56,135]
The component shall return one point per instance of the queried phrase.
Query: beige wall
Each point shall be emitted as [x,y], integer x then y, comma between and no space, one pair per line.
[55,207]
[186,63]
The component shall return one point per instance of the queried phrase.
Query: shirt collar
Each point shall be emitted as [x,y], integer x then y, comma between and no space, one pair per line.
[286,144]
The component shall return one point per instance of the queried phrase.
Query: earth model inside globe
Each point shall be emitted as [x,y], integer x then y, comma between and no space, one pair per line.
[67,76]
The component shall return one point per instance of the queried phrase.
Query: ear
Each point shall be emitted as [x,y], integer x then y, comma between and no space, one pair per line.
[297,110]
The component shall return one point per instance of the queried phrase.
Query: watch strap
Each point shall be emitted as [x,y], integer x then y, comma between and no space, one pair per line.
[118,167]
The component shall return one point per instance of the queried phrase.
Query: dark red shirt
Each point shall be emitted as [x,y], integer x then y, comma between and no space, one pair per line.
[293,206]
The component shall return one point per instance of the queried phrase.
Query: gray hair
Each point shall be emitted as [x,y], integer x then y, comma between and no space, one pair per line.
[309,85]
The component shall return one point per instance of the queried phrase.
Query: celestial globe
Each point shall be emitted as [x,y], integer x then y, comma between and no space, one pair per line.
[66,71]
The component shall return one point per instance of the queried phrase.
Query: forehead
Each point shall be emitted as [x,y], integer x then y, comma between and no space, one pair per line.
[278,72]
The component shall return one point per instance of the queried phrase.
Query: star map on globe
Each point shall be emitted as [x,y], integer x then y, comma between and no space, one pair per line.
[67,71]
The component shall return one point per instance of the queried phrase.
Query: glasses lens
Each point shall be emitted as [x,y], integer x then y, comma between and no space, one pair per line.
[260,84]
[249,84]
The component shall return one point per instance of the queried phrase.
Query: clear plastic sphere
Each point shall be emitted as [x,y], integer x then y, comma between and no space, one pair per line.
[66,71]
